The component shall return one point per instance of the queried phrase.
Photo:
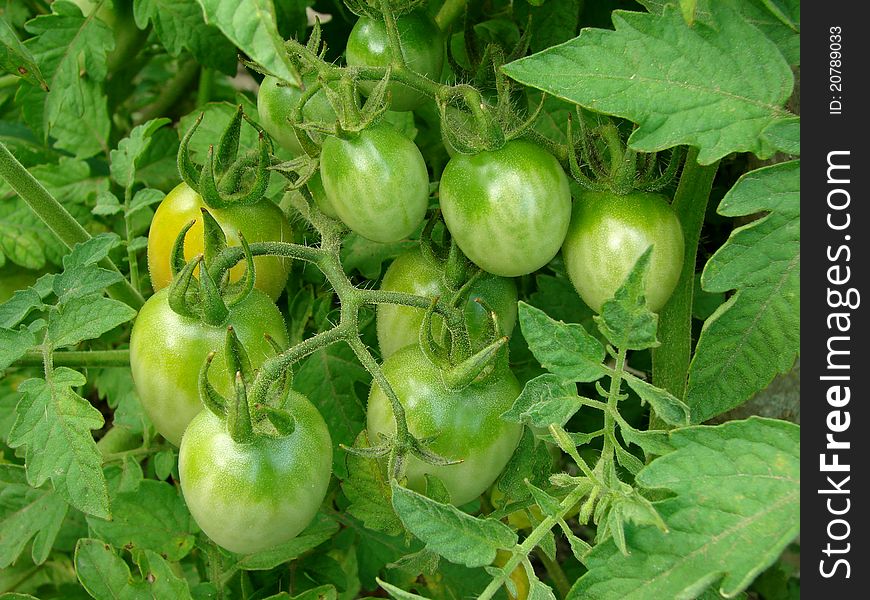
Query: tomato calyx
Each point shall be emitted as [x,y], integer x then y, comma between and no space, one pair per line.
[361,8]
[222,180]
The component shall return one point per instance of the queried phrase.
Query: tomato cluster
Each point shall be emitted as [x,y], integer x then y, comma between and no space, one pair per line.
[508,209]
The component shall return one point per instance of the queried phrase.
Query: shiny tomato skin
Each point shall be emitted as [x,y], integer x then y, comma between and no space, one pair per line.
[607,235]
[167,351]
[414,273]
[467,422]
[507,209]
[377,182]
[422,45]
[261,222]
[275,104]
[249,497]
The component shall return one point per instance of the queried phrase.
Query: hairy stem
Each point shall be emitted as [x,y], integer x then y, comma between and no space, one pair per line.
[78,358]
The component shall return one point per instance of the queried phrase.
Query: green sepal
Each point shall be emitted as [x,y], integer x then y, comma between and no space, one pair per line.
[228,147]
[176,258]
[214,240]
[431,350]
[214,310]
[377,102]
[455,268]
[209,396]
[190,172]
[284,422]
[239,423]
[236,356]
[179,301]
[419,448]
[461,375]
[247,284]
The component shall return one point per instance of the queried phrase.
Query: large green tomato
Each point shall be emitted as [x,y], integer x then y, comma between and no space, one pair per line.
[414,273]
[467,422]
[608,233]
[261,222]
[253,496]
[377,182]
[422,45]
[167,351]
[276,102]
[507,209]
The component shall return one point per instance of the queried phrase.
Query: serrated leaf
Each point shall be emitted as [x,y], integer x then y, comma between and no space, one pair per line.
[625,319]
[154,517]
[28,514]
[15,58]
[669,408]
[331,378]
[531,461]
[449,532]
[737,499]
[693,90]
[145,198]
[552,22]
[368,490]
[180,25]
[16,309]
[105,575]
[53,423]
[320,530]
[14,343]
[107,204]
[397,592]
[78,282]
[567,350]
[544,400]
[84,318]
[785,135]
[756,333]
[251,25]
[122,164]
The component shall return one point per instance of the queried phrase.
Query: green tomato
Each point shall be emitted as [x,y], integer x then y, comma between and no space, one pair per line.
[276,102]
[507,209]
[315,186]
[377,182]
[608,233]
[253,496]
[467,422]
[422,45]
[414,273]
[260,222]
[167,351]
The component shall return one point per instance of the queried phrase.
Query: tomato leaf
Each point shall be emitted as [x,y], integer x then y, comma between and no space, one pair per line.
[368,490]
[16,59]
[756,333]
[320,530]
[567,350]
[449,532]
[669,409]
[123,163]
[695,90]
[544,400]
[53,423]
[625,319]
[737,498]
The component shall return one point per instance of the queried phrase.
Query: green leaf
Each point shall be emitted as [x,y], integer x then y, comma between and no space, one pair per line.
[671,410]
[625,320]
[756,333]
[737,506]
[72,54]
[320,530]
[567,350]
[16,59]
[544,400]
[105,575]
[552,22]
[397,592]
[53,423]
[531,462]
[693,90]
[331,378]
[251,25]
[154,517]
[85,318]
[785,135]
[449,532]
[368,490]
[180,26]
[123,159]
[27,513]
[14,343]
[144,198]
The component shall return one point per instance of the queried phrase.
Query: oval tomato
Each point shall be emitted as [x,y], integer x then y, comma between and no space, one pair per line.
[507,209]
[167,351]
[377,182]
[608,233]
[422,45]
[261,222]
[414,273]
[277,100]
[249,497]
[467,422]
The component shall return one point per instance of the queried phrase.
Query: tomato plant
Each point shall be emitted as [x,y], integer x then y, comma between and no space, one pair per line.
[253,495]
[415,273]
[258,223]
[464,424]
[254,413]
[607,235]
[508,209]
[376,182]
[421,43]
[167,351]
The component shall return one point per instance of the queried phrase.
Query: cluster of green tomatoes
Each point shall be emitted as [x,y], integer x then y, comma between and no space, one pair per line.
[509,210]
